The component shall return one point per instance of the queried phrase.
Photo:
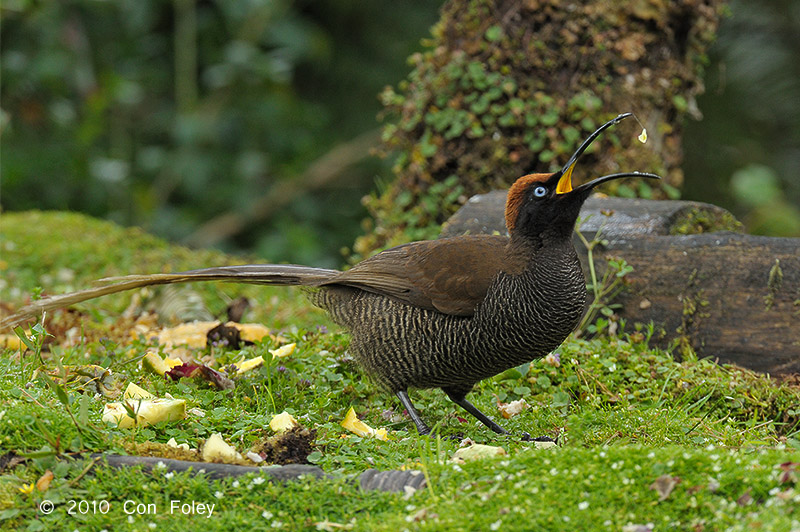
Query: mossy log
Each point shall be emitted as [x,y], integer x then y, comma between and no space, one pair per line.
[727,295]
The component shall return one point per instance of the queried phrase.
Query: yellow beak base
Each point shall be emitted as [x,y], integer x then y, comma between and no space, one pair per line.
[565,183]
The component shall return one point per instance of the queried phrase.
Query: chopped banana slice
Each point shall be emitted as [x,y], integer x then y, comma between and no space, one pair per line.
[477,451]
[216,449]
[136,392]
[247,365]
[155,364]
[175,445]
[283,421]
[148,412]
[283,351]
[356,426]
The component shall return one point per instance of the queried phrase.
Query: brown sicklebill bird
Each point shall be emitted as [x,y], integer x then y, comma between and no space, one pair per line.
[444,313]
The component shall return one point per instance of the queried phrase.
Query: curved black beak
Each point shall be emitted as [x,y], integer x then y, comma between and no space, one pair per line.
[564,175]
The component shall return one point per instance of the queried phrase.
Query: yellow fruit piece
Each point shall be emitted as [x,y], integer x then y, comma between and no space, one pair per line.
[509,410]
[477,451]
[283,351]
[175,445]
[44,481]
[215,449]
[189,334]
[136,392]
[194,334]
[251,332]
[356,426]
[282,421]
[148,412]
[247,365]
[10,341]
[155,364]
[643,136]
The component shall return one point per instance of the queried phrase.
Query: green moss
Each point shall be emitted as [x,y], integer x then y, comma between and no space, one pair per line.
[702,220]
[57,252]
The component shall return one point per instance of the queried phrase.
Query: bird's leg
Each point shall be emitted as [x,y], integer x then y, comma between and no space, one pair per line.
[460,399]
[422,428]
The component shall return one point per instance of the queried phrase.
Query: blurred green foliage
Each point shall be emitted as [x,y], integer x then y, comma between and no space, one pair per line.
[167,114]
[745,153]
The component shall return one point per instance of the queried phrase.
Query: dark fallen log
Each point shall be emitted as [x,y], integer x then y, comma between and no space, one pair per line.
[726,295]
[369,480]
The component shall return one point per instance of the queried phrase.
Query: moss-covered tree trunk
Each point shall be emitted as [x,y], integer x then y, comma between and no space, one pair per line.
[506,88]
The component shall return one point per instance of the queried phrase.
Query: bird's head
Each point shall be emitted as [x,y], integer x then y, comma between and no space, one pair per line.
[540,203]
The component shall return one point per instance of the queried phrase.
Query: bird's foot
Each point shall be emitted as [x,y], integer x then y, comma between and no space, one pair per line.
[543,439]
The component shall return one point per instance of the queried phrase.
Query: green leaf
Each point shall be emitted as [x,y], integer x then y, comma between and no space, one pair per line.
[494,33]
[560,399]
[24,338]
[83,410]
[8,514]
[314,457]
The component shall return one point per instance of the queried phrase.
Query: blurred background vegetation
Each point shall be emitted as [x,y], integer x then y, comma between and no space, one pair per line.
[248,125]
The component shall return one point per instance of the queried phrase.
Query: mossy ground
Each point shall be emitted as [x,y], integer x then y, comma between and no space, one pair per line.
[643,439]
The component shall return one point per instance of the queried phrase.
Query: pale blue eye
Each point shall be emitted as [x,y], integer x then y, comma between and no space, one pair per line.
[540,191]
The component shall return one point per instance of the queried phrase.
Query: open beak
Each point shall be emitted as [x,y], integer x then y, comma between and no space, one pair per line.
[564,175]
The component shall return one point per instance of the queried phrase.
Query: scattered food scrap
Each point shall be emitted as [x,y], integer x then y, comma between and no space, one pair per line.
[10,341]
[146,409]
[153,362]
[283,351]
[356,426]
[283,421]
[509,410]
[174,444]
[201,371]
[196,334]
[477,451]
[215,449]
[44,481]
[246,365]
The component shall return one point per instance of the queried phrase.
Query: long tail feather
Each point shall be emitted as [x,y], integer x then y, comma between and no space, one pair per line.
[274,274]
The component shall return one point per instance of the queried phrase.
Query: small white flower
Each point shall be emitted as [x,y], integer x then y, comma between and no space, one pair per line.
[235,484]
[219,494]
[259,480]
[496,525]
[151,526]
[169,474]
[266,514]
[583,505]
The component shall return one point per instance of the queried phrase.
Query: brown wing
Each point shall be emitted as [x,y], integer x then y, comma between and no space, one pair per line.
[450,275]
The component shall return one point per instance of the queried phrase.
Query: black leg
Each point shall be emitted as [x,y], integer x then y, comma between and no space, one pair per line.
[422,428]
[460,400]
